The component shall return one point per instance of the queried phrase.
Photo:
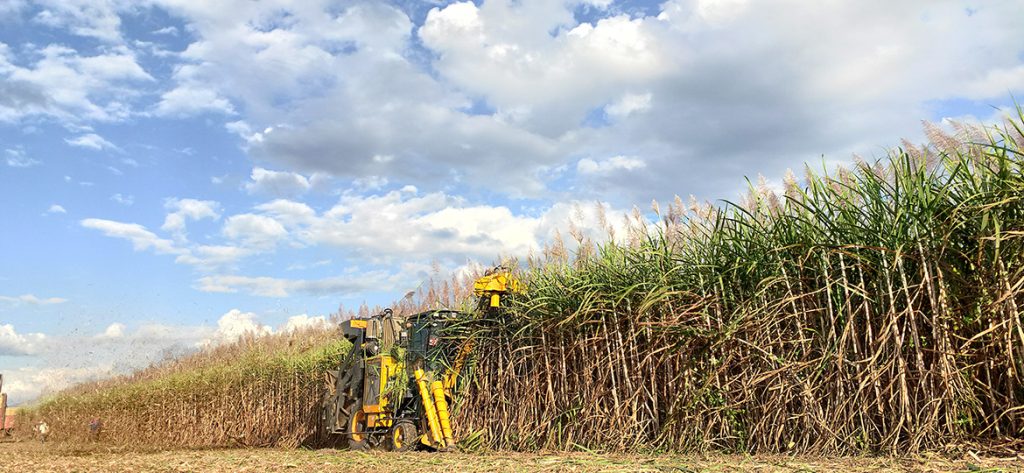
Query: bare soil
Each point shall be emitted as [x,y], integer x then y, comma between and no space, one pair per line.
[29,456]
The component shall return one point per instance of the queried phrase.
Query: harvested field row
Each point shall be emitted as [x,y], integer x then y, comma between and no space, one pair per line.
[31,457]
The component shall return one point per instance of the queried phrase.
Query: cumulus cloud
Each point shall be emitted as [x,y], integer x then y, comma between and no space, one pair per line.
[13,343]
[56,209]
[433,226]
[114,330]
[515,89]
[236,324]
[303,321]
[192,98]
[281,184]
[180,211]
[518,88]
[70,87]
[546,84]
[287,212]
[389,229]
[91,141]
[95,19]
[254,231]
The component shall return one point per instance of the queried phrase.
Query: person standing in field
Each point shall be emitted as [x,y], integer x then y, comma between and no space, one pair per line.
[44,431]
[95,427]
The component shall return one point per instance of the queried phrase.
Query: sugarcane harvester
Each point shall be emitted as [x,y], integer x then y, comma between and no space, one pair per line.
[396,386]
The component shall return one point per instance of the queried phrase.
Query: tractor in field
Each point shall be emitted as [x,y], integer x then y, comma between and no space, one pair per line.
[396,386]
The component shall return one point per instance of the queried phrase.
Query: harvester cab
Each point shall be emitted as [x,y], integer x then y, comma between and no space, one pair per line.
[397,384]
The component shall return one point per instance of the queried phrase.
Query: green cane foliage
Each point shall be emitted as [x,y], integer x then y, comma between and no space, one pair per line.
[873,309]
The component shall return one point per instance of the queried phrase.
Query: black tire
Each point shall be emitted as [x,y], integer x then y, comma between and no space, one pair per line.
[355,428]
[403,437]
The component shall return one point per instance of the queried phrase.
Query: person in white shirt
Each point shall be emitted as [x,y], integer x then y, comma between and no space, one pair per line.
[43,429]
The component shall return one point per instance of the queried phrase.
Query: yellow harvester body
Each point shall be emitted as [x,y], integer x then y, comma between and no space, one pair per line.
[397,385]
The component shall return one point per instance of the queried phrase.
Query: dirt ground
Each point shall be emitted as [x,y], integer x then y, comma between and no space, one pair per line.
[31,456]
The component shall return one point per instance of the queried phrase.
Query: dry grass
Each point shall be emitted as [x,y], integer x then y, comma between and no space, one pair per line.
[257,392]
[29,457]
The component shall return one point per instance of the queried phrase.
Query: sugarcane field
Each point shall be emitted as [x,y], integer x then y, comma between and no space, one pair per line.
[404,236]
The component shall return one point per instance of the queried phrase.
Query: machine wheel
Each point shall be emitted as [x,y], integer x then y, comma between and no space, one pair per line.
[403,436]
[356,430]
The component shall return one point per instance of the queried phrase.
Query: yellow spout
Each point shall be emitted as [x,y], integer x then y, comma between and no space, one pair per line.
[429,408]
[442,412]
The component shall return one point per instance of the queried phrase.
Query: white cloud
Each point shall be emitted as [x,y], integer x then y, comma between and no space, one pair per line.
[16,158]
[702,14]
[610,165]
[32,300]
[432,226]
[67,86]
[302,267]
[254,231]
[371,183]
[167,30]
[549,83]
[14,344]
[213,257]
[303,321]
[94,19]
[122,199]
[509,87]
[140,238]
[114,330]
[56,209]
[12,7]
[281,184]
[91,141]
[204,257]
[236,324]
[288,212]
[629,104]
[192,99]
[997,82]
[277,287]
[183,210]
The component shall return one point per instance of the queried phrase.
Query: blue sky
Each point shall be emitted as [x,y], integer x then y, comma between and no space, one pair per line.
[175,173]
